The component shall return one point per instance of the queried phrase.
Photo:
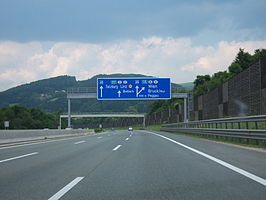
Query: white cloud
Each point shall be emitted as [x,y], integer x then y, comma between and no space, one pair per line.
[176,58]
[219,58]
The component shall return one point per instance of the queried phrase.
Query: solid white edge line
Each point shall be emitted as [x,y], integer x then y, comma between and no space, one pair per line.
[225,164]
[17,157]
[117,147]
[79,142]
[65,189]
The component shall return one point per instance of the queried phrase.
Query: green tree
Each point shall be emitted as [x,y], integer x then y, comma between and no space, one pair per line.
[235,68]
[132,109]
[244,59]
[24,118]
[200,85]
[201,79]
[259,53]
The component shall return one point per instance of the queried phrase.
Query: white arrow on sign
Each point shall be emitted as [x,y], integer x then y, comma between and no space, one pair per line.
[101,88]
[119,93]
[137,90]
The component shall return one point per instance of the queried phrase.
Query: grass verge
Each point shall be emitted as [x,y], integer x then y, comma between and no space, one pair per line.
[236,141]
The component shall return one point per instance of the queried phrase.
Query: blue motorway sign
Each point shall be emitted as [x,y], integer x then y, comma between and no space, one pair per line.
[133,88]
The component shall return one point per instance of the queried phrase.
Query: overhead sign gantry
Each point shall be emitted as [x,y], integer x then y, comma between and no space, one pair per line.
[147,88]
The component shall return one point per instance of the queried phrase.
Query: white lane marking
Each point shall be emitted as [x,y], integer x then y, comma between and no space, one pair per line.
[56,140]
[225,164]
[99,137]
[117,147]
[17,157]
[80,142]
[127,139]
[65,189]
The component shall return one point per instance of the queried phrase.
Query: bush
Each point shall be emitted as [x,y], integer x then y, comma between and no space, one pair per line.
[98,130]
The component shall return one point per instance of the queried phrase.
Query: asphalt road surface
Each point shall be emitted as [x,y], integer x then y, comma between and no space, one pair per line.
[132,165]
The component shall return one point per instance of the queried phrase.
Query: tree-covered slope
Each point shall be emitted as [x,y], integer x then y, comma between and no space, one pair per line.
[25,118]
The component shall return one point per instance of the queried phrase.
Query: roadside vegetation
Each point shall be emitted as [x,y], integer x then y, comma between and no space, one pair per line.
[27,118]
[205,83]
[230,140]
[160,105]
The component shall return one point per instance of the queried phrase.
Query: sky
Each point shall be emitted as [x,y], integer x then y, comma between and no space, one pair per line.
[164,38]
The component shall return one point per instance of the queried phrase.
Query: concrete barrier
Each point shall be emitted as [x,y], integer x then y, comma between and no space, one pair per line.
[11,136]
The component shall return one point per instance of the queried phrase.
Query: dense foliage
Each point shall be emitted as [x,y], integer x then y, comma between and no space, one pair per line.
[24,118]
[160,105]
[206,83]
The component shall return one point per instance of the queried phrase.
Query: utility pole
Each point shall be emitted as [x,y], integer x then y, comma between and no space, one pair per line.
[69,113]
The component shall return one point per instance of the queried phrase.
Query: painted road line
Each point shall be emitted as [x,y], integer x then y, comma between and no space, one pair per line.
[127,139]
[117,147]
[34,143]
[100,137]
[80,142]
[65,189]
[18,157]
[225,164]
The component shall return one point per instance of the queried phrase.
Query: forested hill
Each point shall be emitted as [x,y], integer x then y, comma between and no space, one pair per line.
[50,95]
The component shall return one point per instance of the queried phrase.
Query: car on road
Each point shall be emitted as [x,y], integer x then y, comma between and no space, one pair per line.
[130,128]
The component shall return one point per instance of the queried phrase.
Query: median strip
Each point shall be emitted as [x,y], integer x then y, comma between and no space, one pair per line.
[225,164]
[117,147]
[18,157]
[65,189]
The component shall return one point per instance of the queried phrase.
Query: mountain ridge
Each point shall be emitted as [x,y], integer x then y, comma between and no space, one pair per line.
[50,95]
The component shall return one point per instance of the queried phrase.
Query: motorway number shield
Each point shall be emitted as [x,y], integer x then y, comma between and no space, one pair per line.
[133,88]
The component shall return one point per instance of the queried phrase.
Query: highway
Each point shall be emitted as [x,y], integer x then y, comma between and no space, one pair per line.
[132,165]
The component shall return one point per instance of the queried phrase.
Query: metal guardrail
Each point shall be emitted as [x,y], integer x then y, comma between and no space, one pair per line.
[221,127]
[233,123]
[235,133]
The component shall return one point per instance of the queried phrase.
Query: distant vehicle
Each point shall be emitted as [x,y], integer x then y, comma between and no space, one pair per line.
[130,128]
